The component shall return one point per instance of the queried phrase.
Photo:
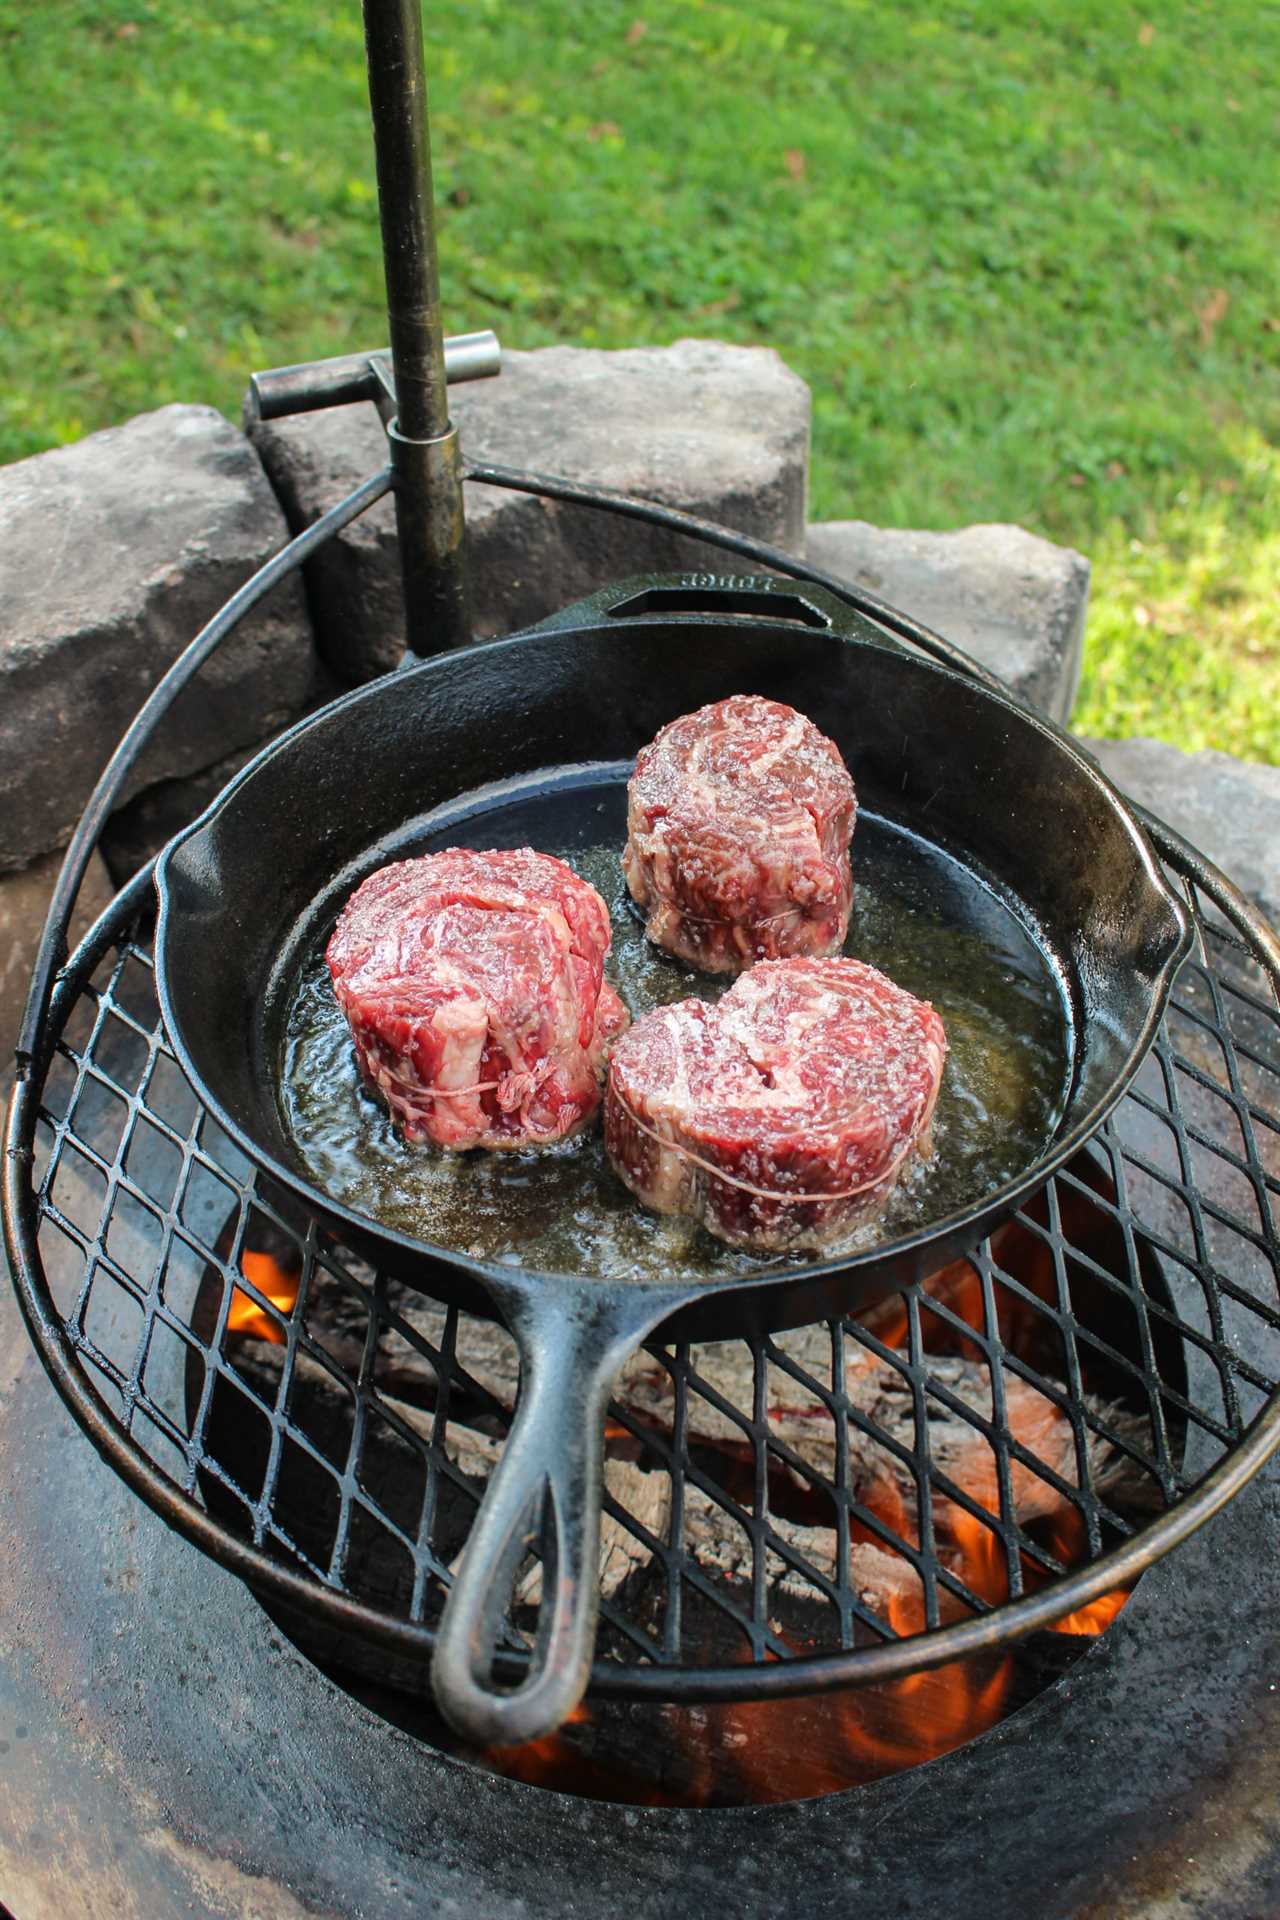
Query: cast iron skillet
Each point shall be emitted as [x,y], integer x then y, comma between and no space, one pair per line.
[542,720]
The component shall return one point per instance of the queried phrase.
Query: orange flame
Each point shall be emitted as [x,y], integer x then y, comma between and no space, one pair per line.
[758,1753]
[762,1752]
[536,1755]
[275,1283]
[556,1761]
[1068,1545]
[977,1556]
[1095,1618]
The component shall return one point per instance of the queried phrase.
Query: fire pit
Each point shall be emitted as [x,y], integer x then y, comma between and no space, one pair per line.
[829,1556]
[1040,1420]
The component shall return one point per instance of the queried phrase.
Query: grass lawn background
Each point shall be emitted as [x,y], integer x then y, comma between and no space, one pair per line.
[1028,265]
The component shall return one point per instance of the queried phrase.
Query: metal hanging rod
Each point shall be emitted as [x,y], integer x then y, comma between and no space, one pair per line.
[425,455]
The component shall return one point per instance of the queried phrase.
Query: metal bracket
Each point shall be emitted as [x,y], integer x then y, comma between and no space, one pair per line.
[350,377]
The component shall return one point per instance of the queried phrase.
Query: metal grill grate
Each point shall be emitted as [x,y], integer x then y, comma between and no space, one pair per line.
[1039,1420]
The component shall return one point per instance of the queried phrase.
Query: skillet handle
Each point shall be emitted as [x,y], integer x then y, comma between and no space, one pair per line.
[548,1484]
[720,596]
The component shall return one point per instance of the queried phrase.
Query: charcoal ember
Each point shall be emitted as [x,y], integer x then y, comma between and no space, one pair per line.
[884,1581]
[783,1116]
[739,818]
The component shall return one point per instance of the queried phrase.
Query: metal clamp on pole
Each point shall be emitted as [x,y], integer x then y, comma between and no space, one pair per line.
[429,519]
[313,384]
[424,452]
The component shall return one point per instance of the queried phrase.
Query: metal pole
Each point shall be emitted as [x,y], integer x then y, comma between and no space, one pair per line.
[425,455]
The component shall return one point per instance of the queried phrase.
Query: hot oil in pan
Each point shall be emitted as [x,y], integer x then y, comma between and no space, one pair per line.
[917,915]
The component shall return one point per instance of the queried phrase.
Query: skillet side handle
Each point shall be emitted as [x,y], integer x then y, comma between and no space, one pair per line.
[721,596]
[547,1485]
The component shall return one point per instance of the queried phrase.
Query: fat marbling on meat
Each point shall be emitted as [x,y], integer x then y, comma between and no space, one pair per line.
[783,1116]
[739,818]
[473,986]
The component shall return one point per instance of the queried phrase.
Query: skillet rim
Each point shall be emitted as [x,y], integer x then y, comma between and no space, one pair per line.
[498,1282]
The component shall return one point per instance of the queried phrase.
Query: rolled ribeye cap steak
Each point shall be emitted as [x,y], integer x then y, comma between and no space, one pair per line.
[473,986]
[739,818]
[783,1116]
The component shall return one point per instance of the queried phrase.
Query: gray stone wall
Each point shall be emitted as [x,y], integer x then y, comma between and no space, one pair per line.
[1228,808]
[1008,598]
[113,554]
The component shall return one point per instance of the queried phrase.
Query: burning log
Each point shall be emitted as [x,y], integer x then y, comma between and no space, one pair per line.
[802,1432]
[407,1388]
[749,1752]
[884,1396]
[885,1582]
[875,1388]
[645,1496]
[802,1423]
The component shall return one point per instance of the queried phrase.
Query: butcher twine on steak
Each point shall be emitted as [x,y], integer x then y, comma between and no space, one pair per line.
[473,986]
[739,818]
[781,1117]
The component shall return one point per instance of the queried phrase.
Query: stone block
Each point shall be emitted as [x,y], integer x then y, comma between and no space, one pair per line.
[24,902]
[715,430]
[116,551]
[1229,809]
[1013,601]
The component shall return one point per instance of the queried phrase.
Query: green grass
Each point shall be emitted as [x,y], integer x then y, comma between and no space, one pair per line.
[1026,258]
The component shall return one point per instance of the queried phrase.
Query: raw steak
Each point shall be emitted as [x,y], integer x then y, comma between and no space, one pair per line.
[472,984]
[739,819]
[782,1116]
